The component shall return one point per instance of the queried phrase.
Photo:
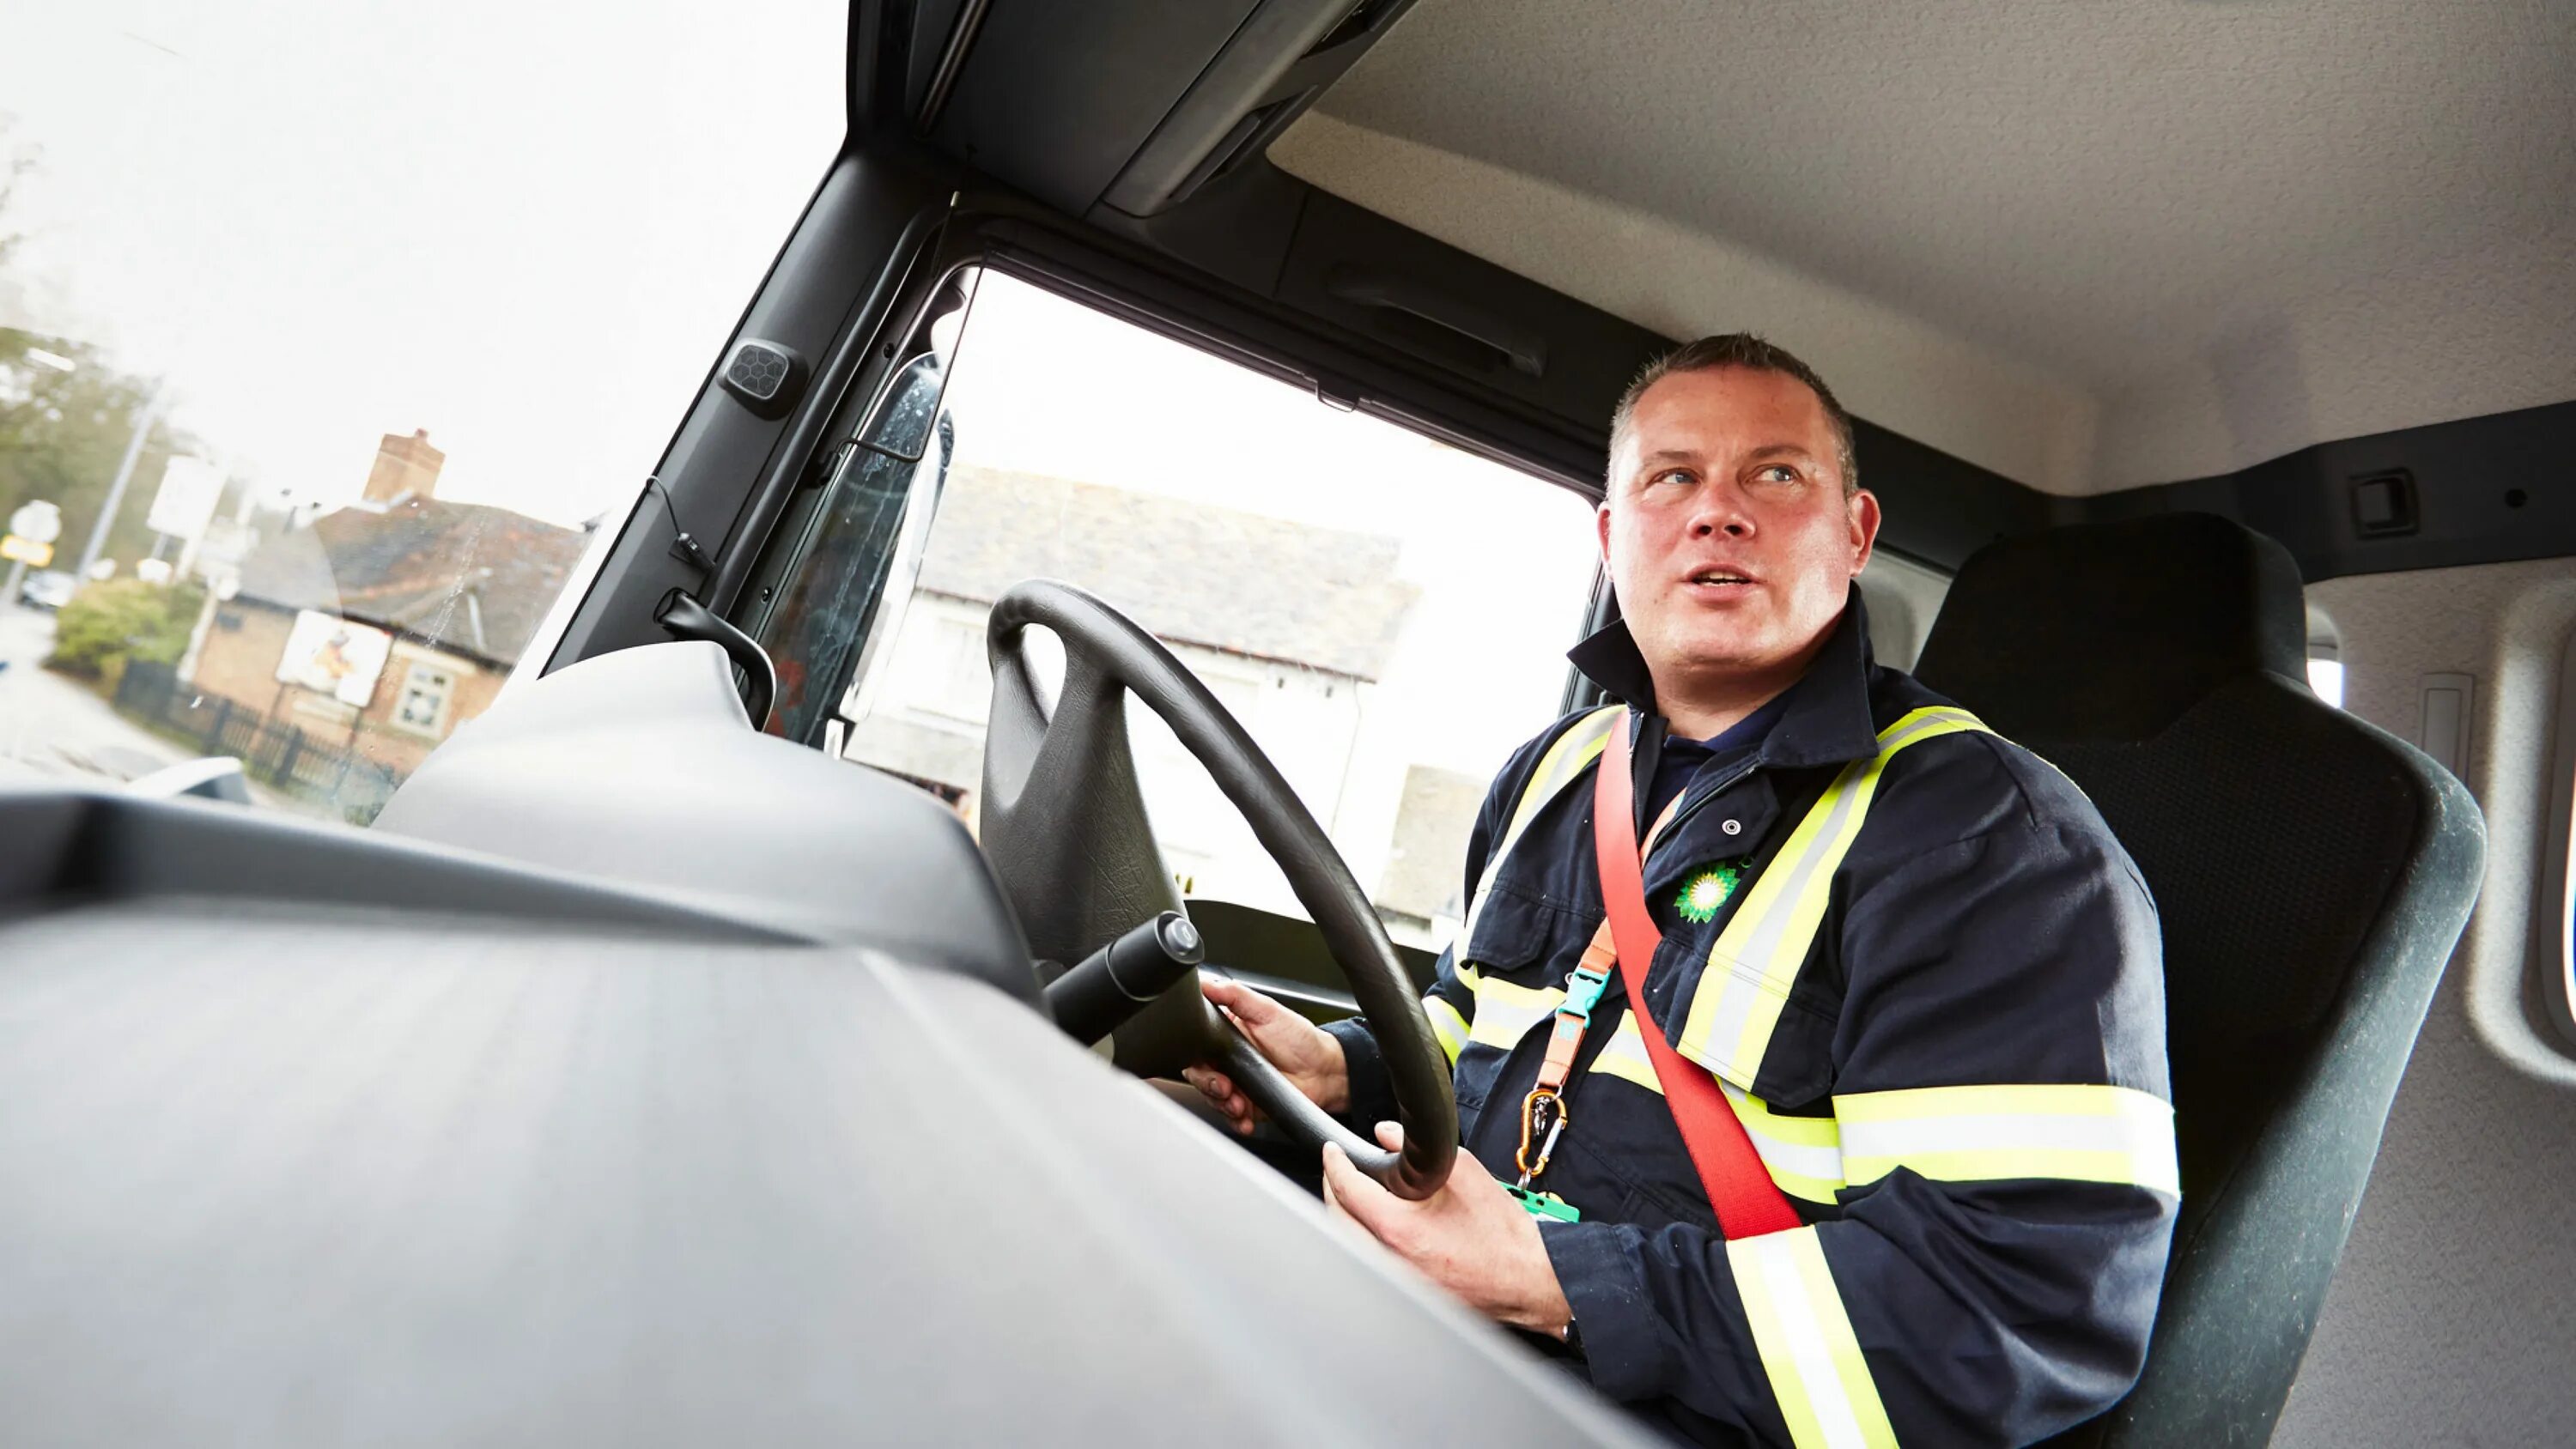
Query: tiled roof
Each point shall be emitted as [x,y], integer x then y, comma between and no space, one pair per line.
[1188,572]
[413,566]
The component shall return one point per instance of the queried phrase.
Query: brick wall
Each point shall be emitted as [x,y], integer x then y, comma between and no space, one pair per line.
[239,657]
[239,662]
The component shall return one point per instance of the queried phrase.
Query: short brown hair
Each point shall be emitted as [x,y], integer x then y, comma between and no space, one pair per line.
[1741,349]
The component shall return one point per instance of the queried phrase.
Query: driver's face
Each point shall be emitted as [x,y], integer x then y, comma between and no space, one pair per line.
[1726,530]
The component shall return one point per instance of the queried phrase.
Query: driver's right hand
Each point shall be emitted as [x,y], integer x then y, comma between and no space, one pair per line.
[1307,1055]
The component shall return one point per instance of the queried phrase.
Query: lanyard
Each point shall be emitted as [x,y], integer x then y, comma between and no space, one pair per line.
[1543,1112]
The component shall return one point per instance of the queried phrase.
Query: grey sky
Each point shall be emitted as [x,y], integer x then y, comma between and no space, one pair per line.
[526,228]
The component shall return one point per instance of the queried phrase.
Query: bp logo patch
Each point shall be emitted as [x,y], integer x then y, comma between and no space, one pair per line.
[1707,889]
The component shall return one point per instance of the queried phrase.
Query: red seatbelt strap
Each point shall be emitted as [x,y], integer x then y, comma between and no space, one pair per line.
[1747,1202]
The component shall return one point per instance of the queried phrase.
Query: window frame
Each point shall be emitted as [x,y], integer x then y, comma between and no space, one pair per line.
[2553,907]
[1250,331]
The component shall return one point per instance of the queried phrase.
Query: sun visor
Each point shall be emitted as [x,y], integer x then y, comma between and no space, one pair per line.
[1126,104]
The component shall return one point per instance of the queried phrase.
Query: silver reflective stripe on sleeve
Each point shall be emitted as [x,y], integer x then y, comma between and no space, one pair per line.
[1809,1352]
[1447,1025]
[1986,1133]
[1504,1012]
[2019,1130]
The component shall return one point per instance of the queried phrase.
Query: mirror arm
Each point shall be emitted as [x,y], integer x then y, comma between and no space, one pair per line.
[685,618]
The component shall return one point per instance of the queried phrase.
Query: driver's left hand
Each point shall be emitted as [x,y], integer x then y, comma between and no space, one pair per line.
[1468,1236]
[1309,1057]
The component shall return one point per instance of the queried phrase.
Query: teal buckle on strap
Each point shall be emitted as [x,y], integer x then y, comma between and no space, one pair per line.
[1582,993]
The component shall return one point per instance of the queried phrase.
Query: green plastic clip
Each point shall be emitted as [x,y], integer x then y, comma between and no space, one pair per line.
[1545,1204]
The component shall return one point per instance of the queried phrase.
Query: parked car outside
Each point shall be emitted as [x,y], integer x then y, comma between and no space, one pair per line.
[49,589]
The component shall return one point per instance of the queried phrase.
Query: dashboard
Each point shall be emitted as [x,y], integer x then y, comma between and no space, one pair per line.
[644,1079]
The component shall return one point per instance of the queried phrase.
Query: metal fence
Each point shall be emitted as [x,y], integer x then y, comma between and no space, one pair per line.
[278,752]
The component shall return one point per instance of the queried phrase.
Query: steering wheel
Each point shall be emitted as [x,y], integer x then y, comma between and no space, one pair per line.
[1064,825]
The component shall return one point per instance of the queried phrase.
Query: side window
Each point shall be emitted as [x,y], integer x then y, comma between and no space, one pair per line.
[2325,657]
[940,665]
[1904,597]
[1388,616]
[274,481]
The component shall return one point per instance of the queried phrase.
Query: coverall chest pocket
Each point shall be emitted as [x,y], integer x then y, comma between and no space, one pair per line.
[1516,960]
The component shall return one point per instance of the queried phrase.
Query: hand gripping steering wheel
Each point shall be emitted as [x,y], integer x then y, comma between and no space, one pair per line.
[1064,825]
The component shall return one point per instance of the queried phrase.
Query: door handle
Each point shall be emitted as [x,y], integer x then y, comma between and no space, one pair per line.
[1523,350]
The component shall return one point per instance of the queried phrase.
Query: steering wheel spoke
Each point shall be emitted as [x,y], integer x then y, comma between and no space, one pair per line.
[1271,1091]
[1065,826]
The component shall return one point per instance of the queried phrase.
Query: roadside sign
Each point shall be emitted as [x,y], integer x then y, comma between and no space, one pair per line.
[18,549]
[331,655]
[37,522]
[190,489]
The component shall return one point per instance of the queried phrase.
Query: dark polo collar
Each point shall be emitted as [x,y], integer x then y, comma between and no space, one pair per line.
[1826,719]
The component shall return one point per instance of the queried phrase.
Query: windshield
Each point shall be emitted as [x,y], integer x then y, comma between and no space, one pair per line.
[1387,616]
[330,334]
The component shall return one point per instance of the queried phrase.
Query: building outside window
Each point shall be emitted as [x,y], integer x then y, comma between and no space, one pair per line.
[1386,616]
[268,323]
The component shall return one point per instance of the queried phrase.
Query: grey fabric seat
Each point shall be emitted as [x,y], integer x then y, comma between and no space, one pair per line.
[2312,874]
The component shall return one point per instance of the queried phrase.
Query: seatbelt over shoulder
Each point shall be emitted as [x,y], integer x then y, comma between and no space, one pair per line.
[1740,1191]
[1726,1026]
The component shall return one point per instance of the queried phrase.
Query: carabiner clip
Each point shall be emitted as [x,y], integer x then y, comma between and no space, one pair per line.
[1543,1118]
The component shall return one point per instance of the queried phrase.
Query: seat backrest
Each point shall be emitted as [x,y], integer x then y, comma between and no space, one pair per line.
[2312,873]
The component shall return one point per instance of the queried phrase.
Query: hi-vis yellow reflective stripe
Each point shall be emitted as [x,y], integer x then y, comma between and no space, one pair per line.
[1805,1338]
[1947,1134]
[1802,1154]
[1447,1025]
[1565,760]
[1624,1056]
[1985,1134]
[1757,956]
[1505,1011]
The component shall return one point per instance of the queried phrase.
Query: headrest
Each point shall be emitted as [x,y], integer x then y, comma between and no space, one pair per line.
[2110,631]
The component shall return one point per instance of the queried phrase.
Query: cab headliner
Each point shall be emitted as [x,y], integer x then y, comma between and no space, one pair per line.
[2087,246]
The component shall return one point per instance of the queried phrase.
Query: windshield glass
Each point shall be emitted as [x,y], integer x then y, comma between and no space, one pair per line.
[1387,616]
[329,335]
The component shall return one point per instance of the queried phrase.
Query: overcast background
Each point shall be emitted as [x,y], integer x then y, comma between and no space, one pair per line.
[525,227]
[528,229]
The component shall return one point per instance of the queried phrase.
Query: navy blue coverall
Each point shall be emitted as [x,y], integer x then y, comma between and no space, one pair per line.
[1930,982]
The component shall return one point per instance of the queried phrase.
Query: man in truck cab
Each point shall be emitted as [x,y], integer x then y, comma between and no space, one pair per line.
[1808,1036]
